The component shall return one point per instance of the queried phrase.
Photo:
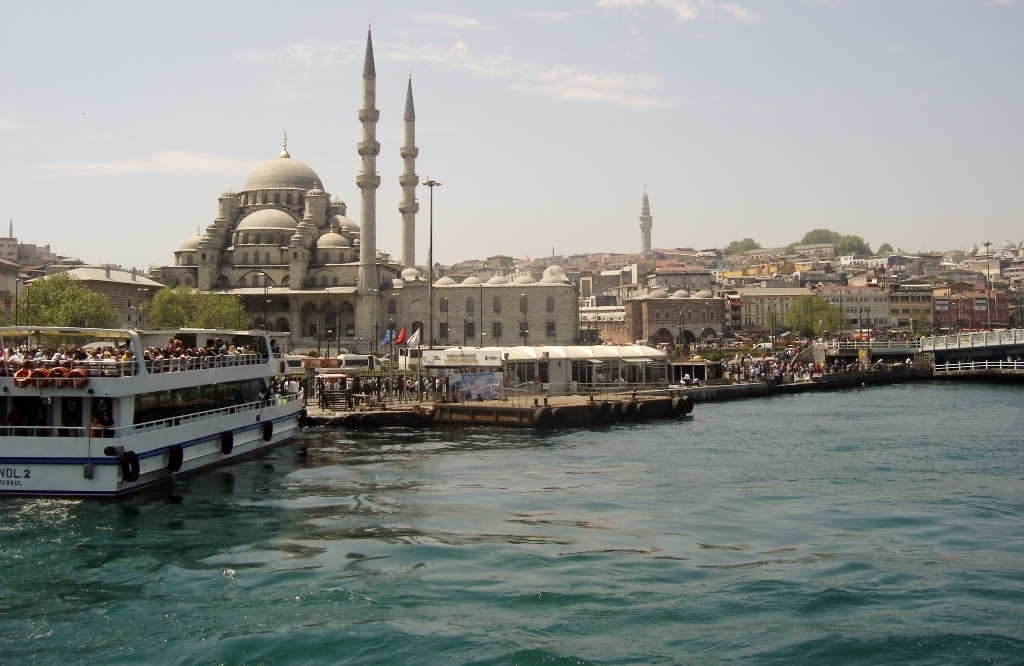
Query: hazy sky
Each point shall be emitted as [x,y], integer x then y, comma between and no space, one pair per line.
[900,121]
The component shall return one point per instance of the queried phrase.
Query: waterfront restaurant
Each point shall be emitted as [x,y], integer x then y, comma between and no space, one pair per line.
[555,368]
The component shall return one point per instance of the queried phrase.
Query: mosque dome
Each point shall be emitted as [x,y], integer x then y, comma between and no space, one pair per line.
[268,219]
[332,240]
[191,243]
[658,293]
[524,279]
[704,293]
[411,274]
[554,275]
[682,293]
[282,173]
[1008,245]
[498,279]
[345,225]
[228,194]
[444,282]
[315,191]
[472,280]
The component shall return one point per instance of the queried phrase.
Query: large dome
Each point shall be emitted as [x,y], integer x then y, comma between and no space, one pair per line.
[284,173]
[268,218]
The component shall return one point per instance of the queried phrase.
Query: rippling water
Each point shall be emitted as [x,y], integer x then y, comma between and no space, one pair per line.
[881,525]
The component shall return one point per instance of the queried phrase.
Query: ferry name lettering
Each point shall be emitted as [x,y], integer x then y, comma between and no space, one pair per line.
[10,475]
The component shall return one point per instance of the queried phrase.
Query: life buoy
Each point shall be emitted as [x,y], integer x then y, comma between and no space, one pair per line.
[130,467]
[268,431]
[175,457]
[39,377]
[78,378]
[227,442]
[59,375]
[21,377]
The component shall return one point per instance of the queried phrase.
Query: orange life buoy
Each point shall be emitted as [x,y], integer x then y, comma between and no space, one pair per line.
[21,377]
[78,378]
[39,377]
[59,376]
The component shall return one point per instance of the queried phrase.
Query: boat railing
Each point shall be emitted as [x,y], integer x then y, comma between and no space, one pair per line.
[979,366]
[190,363]
[105,368]
[160,424]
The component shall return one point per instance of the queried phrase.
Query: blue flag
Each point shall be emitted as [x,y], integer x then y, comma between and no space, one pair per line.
[387,338]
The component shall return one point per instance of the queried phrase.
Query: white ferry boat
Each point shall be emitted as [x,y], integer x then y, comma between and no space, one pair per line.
[123,410]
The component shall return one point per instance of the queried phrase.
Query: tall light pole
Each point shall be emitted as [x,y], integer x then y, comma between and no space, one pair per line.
[988,267]
[430,263]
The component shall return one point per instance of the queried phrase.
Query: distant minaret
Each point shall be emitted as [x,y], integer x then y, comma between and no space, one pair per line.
[10,229]
[408,180]
[645,225]
[368,181]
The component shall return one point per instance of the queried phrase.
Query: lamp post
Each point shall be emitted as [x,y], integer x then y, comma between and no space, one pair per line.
[266,296]
[524,331]
[988,267]
[481,331]
[430,262]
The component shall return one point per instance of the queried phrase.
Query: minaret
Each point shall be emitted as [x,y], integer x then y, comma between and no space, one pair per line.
[408,180]
[368,181]
[645,225]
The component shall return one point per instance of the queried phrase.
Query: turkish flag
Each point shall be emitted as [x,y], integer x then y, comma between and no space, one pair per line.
[401,336]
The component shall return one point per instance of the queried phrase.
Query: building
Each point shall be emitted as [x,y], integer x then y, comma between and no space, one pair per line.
[761,308]
[126,290]
[911,306]
[865,307]
[660,318]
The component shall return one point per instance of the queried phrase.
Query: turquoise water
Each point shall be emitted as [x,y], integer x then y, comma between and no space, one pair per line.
[881,525]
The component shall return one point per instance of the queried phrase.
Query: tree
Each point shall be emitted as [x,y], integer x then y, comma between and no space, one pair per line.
[885,249]
[742,246]
[818,236]
[62,300]
[812,315]
[183,306]
[853,245]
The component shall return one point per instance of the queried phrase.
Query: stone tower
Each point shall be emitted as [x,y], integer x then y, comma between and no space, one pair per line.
[408,180]
[645,225]
[368,181]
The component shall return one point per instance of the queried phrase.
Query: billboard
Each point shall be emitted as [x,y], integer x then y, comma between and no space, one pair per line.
[469,385]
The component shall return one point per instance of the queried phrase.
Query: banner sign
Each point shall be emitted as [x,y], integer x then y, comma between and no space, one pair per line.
[488,358]
[980,304]
[468,385]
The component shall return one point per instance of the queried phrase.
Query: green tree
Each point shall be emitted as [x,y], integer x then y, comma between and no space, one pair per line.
[62,300]
[183,306]
[817,236]
[812,315]
[853,245]
[742,246]
[885,249]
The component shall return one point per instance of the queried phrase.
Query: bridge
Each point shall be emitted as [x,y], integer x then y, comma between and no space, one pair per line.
[945,348]
[1005,369]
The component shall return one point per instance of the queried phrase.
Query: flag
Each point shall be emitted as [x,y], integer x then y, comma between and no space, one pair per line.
[387,338]
[414,339]
[401,336]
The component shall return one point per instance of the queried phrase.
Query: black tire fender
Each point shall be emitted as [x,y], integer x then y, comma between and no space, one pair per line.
[227,442]
[175,457]
[542,418]
[268,431]
[130,467]
[368,421]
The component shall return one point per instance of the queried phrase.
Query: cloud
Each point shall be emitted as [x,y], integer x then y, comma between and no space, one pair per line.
[310,53]
[684,11]
[457,55]
[548,16]
[6,124]
[165,161]
[452,21]
[741,14]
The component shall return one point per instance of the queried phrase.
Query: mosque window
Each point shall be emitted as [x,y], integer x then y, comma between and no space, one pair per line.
[188,260]
[551,329]
[443,331]
[266,198]
[327,257]
[245,258]
[550,305]
[334,281]
[444,304]
[288,199]
[302,200]
[470,306]
[496,306]
[188,282]
[277,198]
[323,281]
[496,330]
[392,306]
[295,255]
[266,258]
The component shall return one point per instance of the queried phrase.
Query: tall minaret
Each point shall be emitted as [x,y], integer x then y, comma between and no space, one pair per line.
[368,181]
[408,180]
[645,225]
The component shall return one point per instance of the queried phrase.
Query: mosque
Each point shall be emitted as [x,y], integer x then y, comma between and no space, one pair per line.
[306,271]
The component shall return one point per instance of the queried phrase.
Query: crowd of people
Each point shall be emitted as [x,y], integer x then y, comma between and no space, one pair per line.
[386,388]
[748,367]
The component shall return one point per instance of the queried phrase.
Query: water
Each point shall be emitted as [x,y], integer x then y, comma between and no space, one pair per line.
[881,525]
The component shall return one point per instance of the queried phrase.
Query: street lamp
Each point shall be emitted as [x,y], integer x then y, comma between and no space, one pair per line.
[988,267]
[266,296]
[430,262]
[524,330]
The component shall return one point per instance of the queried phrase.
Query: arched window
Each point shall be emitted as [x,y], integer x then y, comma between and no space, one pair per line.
[392,306]
[189,260]
[245,258]
[188,282]
[277,198]
[265,199]
[550,305]
[497,305]
[470,306]
[266,259]
[327,257]
[444,304]
[323,281]
[288,199]
[334,281]
[245,238]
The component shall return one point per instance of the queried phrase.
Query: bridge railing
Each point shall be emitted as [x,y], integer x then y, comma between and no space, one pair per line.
[1013,336]
[979,366]
[866,344]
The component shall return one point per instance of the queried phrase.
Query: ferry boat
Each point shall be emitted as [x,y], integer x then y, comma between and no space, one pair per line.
[124,410]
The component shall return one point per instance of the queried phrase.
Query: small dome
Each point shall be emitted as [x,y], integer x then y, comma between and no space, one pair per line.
[332,240]
[282,173]
[345,225]
[658,293]
[524,279]
[228,194]
[397,283]
[472,280]
[444,282]
[336,202]
[411,274]
[315,191]
[704,293]
[682,293]
[191,243]
[1008,245]
[554,275]
[498,279]
[268,218]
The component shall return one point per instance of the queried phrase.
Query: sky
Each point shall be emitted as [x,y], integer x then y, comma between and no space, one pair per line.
[545,121]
